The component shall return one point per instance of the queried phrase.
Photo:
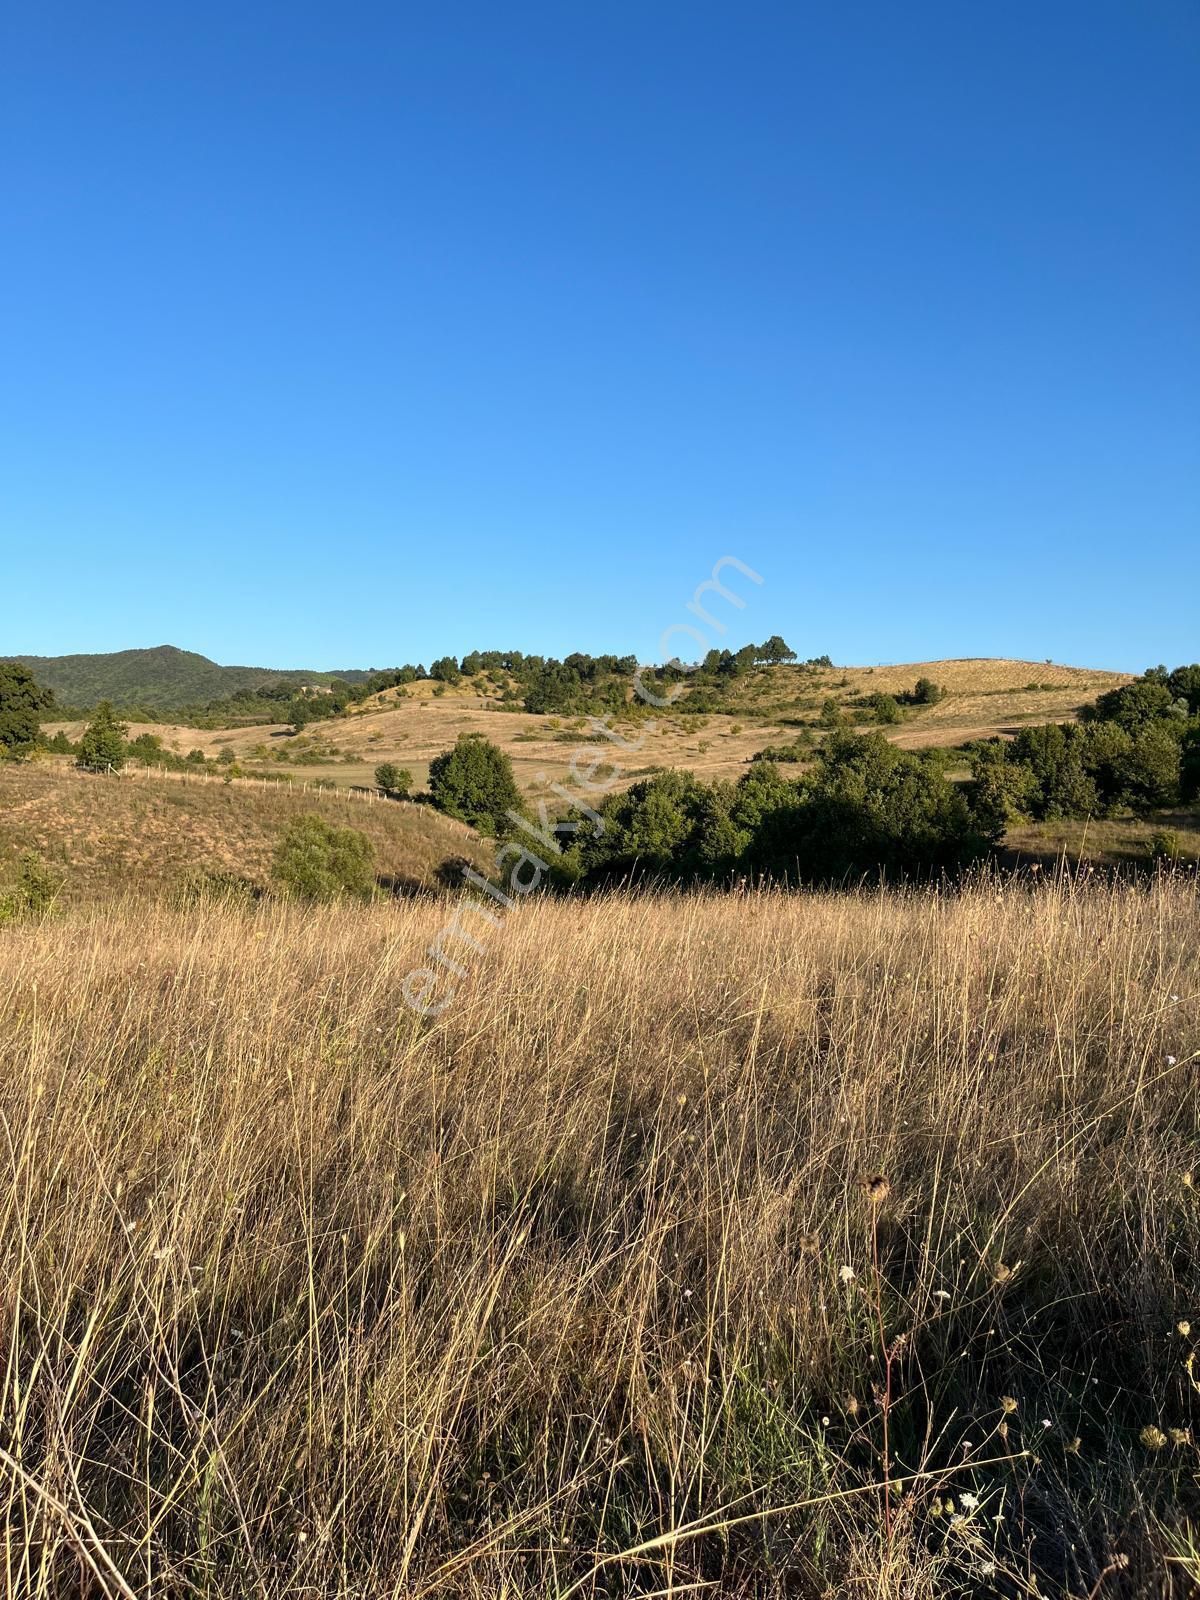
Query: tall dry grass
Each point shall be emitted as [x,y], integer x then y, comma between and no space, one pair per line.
[813,1245]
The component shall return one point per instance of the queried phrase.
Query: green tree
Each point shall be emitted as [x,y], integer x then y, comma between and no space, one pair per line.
[102,747]
[775,650]
[21,703]
[474,782]
[926,693]
[393,780]
[445,670]
[317,862]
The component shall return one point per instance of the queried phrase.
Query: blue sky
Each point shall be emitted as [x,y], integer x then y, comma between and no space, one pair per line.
[339,336]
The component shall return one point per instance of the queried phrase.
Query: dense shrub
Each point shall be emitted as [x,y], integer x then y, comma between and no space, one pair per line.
[474,782]
[865,808]
[869,807]
[316,861]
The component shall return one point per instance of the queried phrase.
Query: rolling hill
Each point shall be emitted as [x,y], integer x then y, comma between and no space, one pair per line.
[768,707]
[160,679]
[145,833]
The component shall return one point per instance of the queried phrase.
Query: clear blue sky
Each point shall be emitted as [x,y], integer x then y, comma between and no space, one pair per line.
[347,335]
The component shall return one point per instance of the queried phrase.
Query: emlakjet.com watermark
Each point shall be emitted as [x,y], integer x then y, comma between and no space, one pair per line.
[592,772]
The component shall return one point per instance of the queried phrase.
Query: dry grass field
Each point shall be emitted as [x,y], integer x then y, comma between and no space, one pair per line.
[983,697]
[145,832]
[801,1246]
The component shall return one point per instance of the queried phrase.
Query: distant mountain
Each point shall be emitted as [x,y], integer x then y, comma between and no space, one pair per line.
[162,679]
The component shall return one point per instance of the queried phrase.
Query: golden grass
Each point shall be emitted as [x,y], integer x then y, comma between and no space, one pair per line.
[584,1287]
[147,831]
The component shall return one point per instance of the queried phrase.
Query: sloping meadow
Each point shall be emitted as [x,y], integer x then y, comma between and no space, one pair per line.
[790,1245]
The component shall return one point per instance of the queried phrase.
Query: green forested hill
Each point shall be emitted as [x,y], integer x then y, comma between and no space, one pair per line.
[161,679]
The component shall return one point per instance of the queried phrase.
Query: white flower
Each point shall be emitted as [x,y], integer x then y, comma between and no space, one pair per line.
[1170,1061]
[969,1500]
[846,1274]
[1046,1423]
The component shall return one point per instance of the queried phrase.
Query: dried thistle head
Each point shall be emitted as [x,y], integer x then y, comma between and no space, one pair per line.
[876,1188]
[1153,1438]
[1007,1404]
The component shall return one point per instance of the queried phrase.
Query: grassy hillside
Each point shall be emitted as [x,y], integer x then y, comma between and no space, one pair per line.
[759,1247]
[766,707]
[163,678]
[143,833]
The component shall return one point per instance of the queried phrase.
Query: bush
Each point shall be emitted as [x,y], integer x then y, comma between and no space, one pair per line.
[102,748]
[317,862]
[1165,845]
[396,782]
[474,782]
[34,891]
[925,693]
[884,708]
[797,749]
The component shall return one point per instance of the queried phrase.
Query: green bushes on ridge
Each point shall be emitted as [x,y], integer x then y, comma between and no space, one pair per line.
[1136,749]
